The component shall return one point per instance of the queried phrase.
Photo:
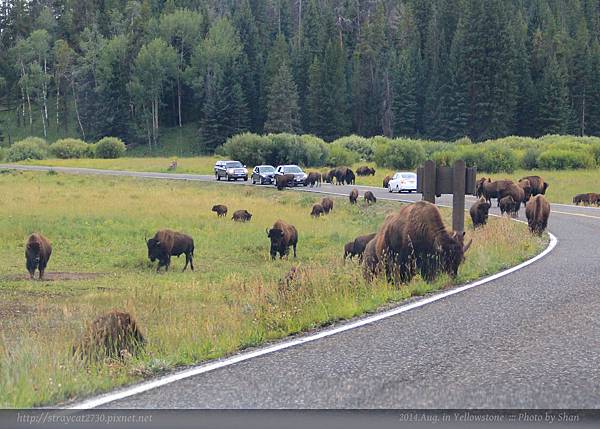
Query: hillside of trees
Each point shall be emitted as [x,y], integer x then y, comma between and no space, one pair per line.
[434,69]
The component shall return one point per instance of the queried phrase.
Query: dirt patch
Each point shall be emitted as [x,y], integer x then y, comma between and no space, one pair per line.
[52,277]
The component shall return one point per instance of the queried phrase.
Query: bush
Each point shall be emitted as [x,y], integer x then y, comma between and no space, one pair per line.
[530,159]
[29,148]
[249,148]
[561,159]
[317,152]
[339,155]
[69,148]
[498,158]
[2,154]
[400,154]
[109,148]
[363,147]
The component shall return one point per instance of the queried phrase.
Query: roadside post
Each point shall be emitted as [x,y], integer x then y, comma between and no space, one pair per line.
[458,180]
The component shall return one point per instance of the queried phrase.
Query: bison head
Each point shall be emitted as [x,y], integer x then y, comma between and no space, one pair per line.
[452,252]
[33,251]
[276,236]
[153,249]
[215,208]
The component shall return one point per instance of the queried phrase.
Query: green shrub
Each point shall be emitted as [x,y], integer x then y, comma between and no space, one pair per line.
[109,148]
[316,150]
[530,159]
[29,148]
[497,158]
[561,159]
[248,148]
[400,154]
[2,154]
[339,155]
[69,148]
[463,141]
[357,144]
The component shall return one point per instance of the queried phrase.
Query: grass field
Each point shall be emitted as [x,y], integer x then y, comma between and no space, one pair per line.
[234,299]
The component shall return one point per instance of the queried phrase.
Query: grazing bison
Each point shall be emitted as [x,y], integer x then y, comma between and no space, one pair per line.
[349,250]
[114,335]
[350,177]
[37,253]
[359,245]
[353,196]
[329,176]
[371,262]
[516,192]
[365,171]
[369,197]
[497,189]
[415,238]
[525,184]
[241,216]
[537,211]
[220,209]
[538,185]
[479,212]
[386,181]
[317,210]
[282,236]
[581,198]
[167,243]
[508,205]
[284,180]
[327,204]
[313,179]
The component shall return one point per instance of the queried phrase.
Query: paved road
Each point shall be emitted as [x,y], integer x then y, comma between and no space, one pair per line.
[527,340]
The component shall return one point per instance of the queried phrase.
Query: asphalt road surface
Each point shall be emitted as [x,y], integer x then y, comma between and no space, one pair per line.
[527,340]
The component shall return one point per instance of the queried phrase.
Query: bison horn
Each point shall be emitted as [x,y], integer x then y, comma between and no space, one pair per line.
[466,247]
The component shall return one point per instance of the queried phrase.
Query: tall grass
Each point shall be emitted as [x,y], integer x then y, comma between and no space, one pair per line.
[236,298]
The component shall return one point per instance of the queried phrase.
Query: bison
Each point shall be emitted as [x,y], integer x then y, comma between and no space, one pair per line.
[538,185]
[220,209]
[37,254]
[282,236]
[284,180]
[479,212]
[369,197]
[537,211]
[497,189]
[586,199]
[386,181]
[327,204]
[525,184]
[516,192]
[330,176]
[365,171]
[344,175]
[313,179]
[371,262]
[353,196]
[167,243]
[241,216]
[508,205]
[415,238]
[317,210]
[357,247]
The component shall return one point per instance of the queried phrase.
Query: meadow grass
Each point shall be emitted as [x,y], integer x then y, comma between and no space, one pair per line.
[235,299]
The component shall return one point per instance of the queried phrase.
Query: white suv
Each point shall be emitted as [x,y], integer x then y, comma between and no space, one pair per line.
[403,181]
[231,170]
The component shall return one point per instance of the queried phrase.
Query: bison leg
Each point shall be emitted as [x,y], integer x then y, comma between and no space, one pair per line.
[294,249]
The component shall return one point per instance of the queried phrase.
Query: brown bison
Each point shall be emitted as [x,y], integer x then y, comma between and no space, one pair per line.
[241,216]
[525,184]
[220,209]
[282,236]
[344,175]
[415,238]
[508,205]
[516,192]
[479,212]
[537,211]
[317,210]
[371,262]
[37,254]
[284,180]
[369,197]
[488,189]
[329,176]
[586,199]
[167,243]
[113,335]
[365,171]
[353,196]
[357,247]
[386,181]
[314,178]
[327,204]
[538,185]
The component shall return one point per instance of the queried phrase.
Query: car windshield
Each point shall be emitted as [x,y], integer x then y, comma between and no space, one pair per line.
[408,175]
[267,169]
[292,169]
[235,164]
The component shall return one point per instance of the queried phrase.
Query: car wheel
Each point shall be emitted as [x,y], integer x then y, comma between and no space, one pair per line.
[228,178]
[390,189]
[246,179]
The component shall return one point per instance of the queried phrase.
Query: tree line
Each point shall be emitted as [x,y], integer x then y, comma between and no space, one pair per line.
[439,69]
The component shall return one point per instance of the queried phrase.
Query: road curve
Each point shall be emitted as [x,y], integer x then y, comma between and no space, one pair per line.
[527,340]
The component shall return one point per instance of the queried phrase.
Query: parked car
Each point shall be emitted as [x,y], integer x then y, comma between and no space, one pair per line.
[403,181]
[299,175]
[263,174]
[231,170]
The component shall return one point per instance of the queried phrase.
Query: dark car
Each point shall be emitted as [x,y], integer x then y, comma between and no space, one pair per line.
[263,174]
[231,170]
[299,175]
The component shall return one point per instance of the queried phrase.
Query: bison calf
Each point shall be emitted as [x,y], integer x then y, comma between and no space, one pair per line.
[386,181]
[283,181]
[327,204]
[37,253]
[357,247]
[537,211]
[370,198]
[353,196]
[507,205]
[220,210]
[167,243]
[282,236]
[241,216]
[479,212]
[317,210]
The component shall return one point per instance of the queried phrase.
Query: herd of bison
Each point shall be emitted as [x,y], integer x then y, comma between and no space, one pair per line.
[411,240]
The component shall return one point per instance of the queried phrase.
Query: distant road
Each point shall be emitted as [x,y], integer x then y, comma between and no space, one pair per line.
[527,340]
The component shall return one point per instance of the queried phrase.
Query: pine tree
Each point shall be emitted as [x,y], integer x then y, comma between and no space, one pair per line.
[405,95]
[334,102]
[553,112]
[314,111]
[593,106]
[282,103]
